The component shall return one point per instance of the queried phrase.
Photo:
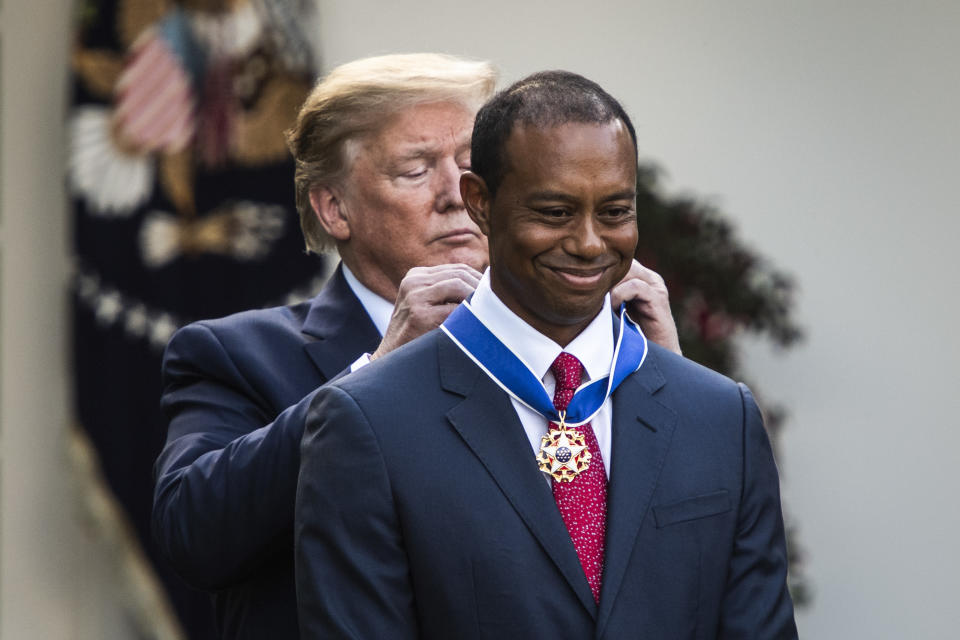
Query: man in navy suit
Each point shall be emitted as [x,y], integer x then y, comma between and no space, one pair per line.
[380,145]
[443,494]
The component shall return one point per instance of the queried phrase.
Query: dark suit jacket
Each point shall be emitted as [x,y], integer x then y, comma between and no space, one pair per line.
[421,512]
[236,391]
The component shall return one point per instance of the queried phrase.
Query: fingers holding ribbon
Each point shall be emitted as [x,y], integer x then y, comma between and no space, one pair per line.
[648,304]
[426,296]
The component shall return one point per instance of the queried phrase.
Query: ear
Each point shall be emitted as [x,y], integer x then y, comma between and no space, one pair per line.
[328,207]
[476,198]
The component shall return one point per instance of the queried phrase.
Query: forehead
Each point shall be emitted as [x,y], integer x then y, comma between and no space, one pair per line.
[430,125]
[533,152]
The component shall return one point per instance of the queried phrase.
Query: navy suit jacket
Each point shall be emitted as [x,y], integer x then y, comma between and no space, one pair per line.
[236,392]
[421,513]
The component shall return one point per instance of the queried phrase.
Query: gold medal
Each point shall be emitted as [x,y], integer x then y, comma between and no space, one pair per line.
[563,452]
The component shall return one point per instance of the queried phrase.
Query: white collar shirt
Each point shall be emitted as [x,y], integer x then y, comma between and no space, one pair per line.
[593,347]
[378,308]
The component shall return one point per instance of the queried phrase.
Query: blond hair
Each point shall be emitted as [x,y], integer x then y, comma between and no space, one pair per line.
[355,99]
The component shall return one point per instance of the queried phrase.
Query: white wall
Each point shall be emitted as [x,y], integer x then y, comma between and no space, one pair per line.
[56,581]
[830,132]
[34,563]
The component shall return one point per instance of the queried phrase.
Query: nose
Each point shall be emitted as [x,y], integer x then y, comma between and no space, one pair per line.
[447,186]
[585,240]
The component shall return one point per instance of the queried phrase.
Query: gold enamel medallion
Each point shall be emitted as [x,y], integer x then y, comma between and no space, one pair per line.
[563,452]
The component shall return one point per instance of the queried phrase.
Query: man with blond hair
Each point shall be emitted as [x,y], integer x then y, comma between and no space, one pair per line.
[380,145]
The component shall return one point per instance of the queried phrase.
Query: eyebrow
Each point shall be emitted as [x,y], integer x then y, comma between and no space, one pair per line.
[415,153]
[628,194]
[426,151]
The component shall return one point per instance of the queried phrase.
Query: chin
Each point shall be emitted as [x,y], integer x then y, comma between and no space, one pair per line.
[474,257]
[574,309]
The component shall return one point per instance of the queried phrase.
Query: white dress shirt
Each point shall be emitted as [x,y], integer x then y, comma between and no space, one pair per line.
[593,347]
[378,308]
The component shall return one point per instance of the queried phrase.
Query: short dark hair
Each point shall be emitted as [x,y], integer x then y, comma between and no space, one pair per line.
[544,99]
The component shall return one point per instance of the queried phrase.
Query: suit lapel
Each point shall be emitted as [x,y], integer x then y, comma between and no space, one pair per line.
[642,431]
[341,328]
[489,425]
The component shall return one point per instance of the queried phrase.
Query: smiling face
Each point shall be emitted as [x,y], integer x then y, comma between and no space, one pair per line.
[562,225]
[401,200]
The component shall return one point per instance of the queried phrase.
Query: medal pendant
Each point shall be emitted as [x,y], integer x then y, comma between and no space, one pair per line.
[563,452]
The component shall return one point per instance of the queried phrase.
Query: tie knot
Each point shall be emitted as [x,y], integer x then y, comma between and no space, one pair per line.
[567,370]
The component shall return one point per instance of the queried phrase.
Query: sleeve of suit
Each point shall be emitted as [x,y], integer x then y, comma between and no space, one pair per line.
[352,572]
[757,603]
[226,479]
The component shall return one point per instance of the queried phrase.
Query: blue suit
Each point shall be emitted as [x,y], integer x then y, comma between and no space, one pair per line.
[235,394]
[421,513]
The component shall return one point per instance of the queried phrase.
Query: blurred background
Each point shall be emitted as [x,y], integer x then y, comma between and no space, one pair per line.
[826,133]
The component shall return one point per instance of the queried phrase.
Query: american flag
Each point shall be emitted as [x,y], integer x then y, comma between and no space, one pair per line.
[155,98]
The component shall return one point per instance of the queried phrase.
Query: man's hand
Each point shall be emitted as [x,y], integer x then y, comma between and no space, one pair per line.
[427,295]
[648,303]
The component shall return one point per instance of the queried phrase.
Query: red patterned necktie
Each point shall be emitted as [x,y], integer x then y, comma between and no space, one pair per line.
[583,500]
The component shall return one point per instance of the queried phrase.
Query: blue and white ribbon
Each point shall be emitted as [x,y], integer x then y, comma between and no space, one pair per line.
[515,377]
